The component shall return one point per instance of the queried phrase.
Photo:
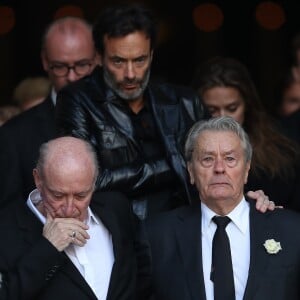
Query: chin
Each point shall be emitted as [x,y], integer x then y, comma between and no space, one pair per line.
[221,195]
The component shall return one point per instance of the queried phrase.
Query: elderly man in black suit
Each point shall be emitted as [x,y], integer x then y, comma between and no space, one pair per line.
[59,245]
[180,254]
[68,53]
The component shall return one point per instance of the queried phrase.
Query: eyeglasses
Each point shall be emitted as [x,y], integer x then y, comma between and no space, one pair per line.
[80,68]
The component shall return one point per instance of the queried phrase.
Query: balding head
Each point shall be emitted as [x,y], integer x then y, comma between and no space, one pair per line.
[67,26]
[68,41]
[67,154]
[65,176]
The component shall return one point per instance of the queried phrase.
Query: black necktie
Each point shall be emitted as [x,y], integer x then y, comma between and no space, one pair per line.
[221,272]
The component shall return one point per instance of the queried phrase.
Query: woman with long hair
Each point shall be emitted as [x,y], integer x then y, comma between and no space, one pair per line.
[226,88]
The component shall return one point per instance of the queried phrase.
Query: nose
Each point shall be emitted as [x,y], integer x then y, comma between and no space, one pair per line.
[69,207]
[72,76]
[222,113]
[129,71]
[219,166]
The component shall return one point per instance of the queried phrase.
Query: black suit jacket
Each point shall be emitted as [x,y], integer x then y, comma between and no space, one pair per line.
[20,139]
[170,256]
[32,269]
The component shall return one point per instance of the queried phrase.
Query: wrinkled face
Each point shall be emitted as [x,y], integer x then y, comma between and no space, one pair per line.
[69,50]
[218,168]
[65,194]
[126,63]
[291,99]
[225,101]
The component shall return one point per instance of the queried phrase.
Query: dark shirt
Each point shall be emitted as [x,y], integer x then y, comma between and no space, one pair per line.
[146,133]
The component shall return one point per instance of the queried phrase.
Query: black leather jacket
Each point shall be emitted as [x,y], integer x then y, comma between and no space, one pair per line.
[90,110]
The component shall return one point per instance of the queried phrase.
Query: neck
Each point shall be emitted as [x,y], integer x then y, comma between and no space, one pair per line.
[136,105]
[222,207]
[40,207]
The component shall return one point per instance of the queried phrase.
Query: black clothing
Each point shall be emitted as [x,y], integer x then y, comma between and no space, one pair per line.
[89,109]
[20,140]
[31,268]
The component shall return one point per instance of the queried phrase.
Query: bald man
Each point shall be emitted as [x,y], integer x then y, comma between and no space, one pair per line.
[59,245]
[67,54]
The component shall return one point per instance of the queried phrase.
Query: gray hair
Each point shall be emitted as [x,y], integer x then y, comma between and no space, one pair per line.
[45,148]
[223,123]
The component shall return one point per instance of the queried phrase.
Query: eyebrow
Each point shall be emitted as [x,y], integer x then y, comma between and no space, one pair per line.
[213,152]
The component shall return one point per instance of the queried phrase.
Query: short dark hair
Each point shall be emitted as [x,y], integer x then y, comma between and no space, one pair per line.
[121,20]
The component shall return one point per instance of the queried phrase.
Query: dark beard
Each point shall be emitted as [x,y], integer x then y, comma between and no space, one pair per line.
[110,81]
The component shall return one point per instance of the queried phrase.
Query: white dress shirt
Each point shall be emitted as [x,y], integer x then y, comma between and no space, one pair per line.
[238,232]
[53,96]
[96,258]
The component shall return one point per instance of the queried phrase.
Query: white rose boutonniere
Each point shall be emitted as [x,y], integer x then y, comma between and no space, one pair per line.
[272,246]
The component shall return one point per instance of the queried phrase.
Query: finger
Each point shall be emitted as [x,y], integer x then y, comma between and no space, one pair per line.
[279,206]
[79,234]
[70,222]
[262,201]
[82,235]
[267,205]
[255,195]
[79,238]
[78,242]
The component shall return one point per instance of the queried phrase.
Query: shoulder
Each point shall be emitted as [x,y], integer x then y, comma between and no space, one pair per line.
[29,118]
[173,90]
[113,200]
[279,220]
[289,217]
[9,216]
[169,218]
[185,97]
[83,86]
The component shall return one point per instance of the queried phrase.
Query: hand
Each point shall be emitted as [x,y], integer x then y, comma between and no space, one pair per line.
[61,232]
[262,201]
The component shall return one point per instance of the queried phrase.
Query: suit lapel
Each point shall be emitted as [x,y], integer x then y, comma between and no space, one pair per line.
[259,233]
[29,223]
[71,271]
[188,237]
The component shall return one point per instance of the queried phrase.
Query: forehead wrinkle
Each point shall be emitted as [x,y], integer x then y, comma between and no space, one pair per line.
[211,142]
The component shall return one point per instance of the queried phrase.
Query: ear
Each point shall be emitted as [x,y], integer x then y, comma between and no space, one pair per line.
[44,61]
[37,179]
[247,169]
[191,173]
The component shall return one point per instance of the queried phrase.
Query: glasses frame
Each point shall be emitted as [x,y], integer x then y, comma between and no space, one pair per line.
[73,67]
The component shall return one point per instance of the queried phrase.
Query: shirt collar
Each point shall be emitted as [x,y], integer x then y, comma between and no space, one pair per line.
[53,96]
[239,216]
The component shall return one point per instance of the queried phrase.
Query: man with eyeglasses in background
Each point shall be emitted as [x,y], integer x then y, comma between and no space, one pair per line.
[67,54]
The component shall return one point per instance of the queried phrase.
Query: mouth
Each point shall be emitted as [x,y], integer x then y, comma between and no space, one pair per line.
[131,86]
[219,183]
